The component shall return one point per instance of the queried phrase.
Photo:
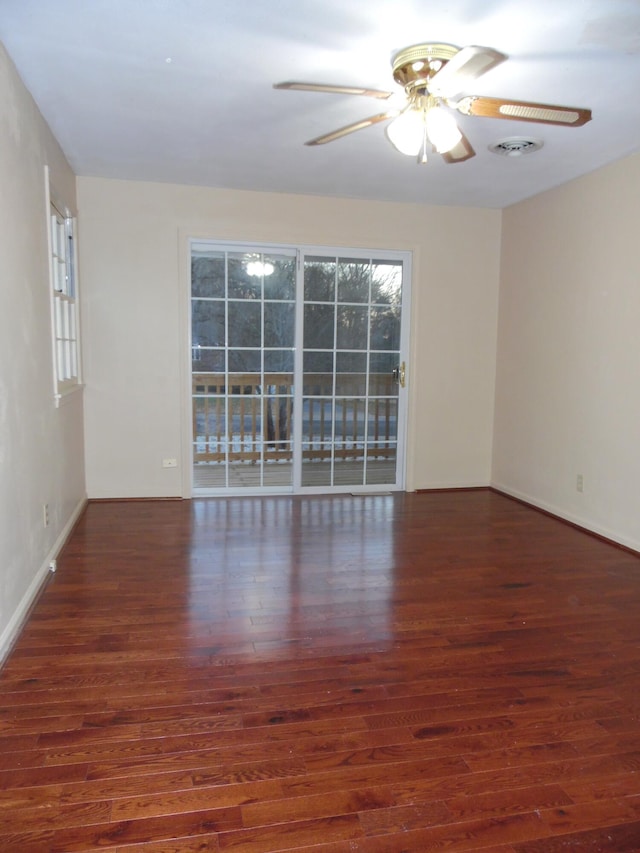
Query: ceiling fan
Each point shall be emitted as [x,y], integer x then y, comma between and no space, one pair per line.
[434,78]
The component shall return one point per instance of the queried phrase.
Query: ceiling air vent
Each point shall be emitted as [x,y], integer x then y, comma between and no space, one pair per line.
[515,146]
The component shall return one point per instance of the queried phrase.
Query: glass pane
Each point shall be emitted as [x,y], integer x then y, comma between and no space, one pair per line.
[207,274]
[385,328]
[245,427]
[351,362]
[349,427]
[281,283]
[207,360]
[209,475]
[351,374]
[351,383]
[381,469]
[386,282]
[383,420]
[383,362]
[278,323]
[318,374]
[315,471]
[352,327]
[209,420]
[70,258]
[278,410]
[382,385]
[380,450]
[278,361]
[210,384]
[245,470]
[207,323]
[381,381]
[349,473]
[245,324]
[242,285]
[317,432]
[318,362]
[316,425]
[353,280]
[318,326]
[278,472]
[319,279]
[244,361]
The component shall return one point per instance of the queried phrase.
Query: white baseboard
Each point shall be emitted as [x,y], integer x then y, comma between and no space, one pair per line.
[586,524]
[449,486]
[17,621]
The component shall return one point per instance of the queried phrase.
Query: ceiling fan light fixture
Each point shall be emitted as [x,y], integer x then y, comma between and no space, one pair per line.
[406,132]
[433,76]
[256,267]
[442,130]
[409,132]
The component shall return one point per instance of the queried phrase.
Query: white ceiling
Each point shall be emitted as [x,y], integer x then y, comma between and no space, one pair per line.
[181,90]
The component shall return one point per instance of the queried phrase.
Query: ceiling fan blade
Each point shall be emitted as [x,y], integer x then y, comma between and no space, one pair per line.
[331,89]
[466,65]
[460,152]
[351,128]
[523,111]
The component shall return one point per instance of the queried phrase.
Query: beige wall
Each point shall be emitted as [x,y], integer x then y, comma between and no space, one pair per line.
[41,446]
[568,365]
[135,280]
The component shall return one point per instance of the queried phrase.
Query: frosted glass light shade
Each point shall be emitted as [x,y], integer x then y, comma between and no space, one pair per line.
[442,130]
[406,132]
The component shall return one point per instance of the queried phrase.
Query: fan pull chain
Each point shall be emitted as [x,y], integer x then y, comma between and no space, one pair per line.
[422,157]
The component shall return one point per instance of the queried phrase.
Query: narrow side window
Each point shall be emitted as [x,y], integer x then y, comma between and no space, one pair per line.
[64,302]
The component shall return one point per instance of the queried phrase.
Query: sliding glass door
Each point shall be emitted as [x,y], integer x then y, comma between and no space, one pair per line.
[297,369]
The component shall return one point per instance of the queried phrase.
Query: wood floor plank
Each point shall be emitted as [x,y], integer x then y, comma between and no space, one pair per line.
[282,810]
[202,844]
[620,838]
[467,835]
[339,674]
[194,799]
[53,816]
[270,838]
[105,836]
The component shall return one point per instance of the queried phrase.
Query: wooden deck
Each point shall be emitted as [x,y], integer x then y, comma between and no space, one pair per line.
[393,674]
[280,474]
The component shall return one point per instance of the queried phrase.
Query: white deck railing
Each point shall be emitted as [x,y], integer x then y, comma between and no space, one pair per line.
[243,418]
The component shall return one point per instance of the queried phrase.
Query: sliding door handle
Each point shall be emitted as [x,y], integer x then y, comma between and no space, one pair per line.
[398,374]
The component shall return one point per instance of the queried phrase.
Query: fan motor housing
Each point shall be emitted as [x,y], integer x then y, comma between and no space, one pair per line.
[413,67]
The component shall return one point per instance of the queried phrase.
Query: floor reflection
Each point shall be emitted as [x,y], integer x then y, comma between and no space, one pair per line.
[293,572]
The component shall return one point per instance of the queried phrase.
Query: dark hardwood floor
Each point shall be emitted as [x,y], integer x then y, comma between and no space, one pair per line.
[337,675]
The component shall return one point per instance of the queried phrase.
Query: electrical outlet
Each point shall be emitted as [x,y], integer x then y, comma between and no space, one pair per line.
[169,463]
[579,483]
[45,514]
